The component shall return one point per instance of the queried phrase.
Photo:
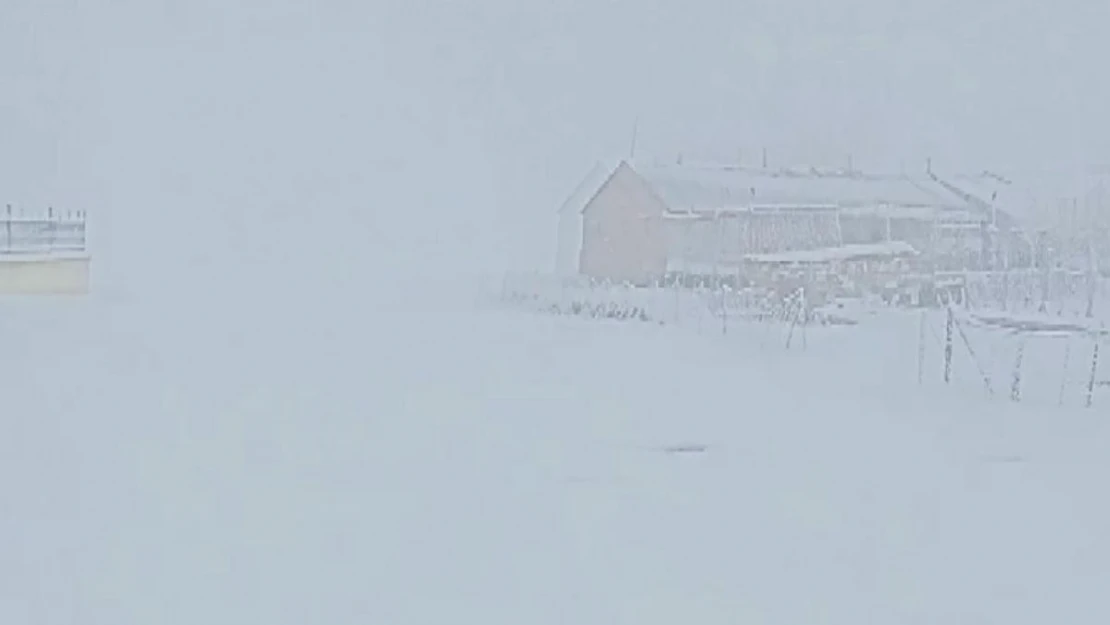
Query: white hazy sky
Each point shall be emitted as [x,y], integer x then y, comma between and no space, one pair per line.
[447,132]
[239,426]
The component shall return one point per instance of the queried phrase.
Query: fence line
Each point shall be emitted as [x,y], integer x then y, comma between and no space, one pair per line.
[48,231]
[666,303]
[1031,354]
[1041,359]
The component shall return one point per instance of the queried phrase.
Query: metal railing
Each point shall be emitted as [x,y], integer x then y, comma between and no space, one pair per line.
[49,231]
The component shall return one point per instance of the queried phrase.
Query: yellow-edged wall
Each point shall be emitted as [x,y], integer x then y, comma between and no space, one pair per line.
[44,275]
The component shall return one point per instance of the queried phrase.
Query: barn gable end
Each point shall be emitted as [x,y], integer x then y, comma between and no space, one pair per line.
[623,235]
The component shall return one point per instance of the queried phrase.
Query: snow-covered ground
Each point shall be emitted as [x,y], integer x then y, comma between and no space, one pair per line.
[259,417]
[432,458]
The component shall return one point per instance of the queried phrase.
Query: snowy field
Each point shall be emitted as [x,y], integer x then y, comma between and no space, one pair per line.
[282,405]
[1046,358]
[400,459]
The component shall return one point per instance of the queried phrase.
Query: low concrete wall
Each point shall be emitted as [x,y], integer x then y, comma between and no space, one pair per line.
[44,274]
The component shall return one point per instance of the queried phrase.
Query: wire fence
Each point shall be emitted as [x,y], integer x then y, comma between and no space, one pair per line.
[665,303]
[42,232]
[1040,358]
[1046,360]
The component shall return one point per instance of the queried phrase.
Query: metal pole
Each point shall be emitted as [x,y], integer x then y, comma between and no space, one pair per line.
[948,345]
[1094,369]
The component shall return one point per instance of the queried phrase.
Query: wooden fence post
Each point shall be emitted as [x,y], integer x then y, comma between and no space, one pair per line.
[1091,379]
[1015,385]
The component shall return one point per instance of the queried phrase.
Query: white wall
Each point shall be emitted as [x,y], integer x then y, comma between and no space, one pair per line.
[570,243]
[568,249]
[44,276]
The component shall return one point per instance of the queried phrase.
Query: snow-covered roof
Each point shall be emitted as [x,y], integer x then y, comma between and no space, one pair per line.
[588,187]
[1038,200]
[685,216]
[1027,202]
[888,249]
[755,207]
[727,187]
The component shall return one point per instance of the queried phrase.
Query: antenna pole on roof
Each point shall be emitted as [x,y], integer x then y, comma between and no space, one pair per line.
[765,158]
[635,131]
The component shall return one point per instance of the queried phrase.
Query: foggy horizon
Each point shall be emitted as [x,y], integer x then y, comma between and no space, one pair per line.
[315,362]
[247,110]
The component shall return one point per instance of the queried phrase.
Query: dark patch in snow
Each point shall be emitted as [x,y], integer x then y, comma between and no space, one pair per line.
[686,448]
